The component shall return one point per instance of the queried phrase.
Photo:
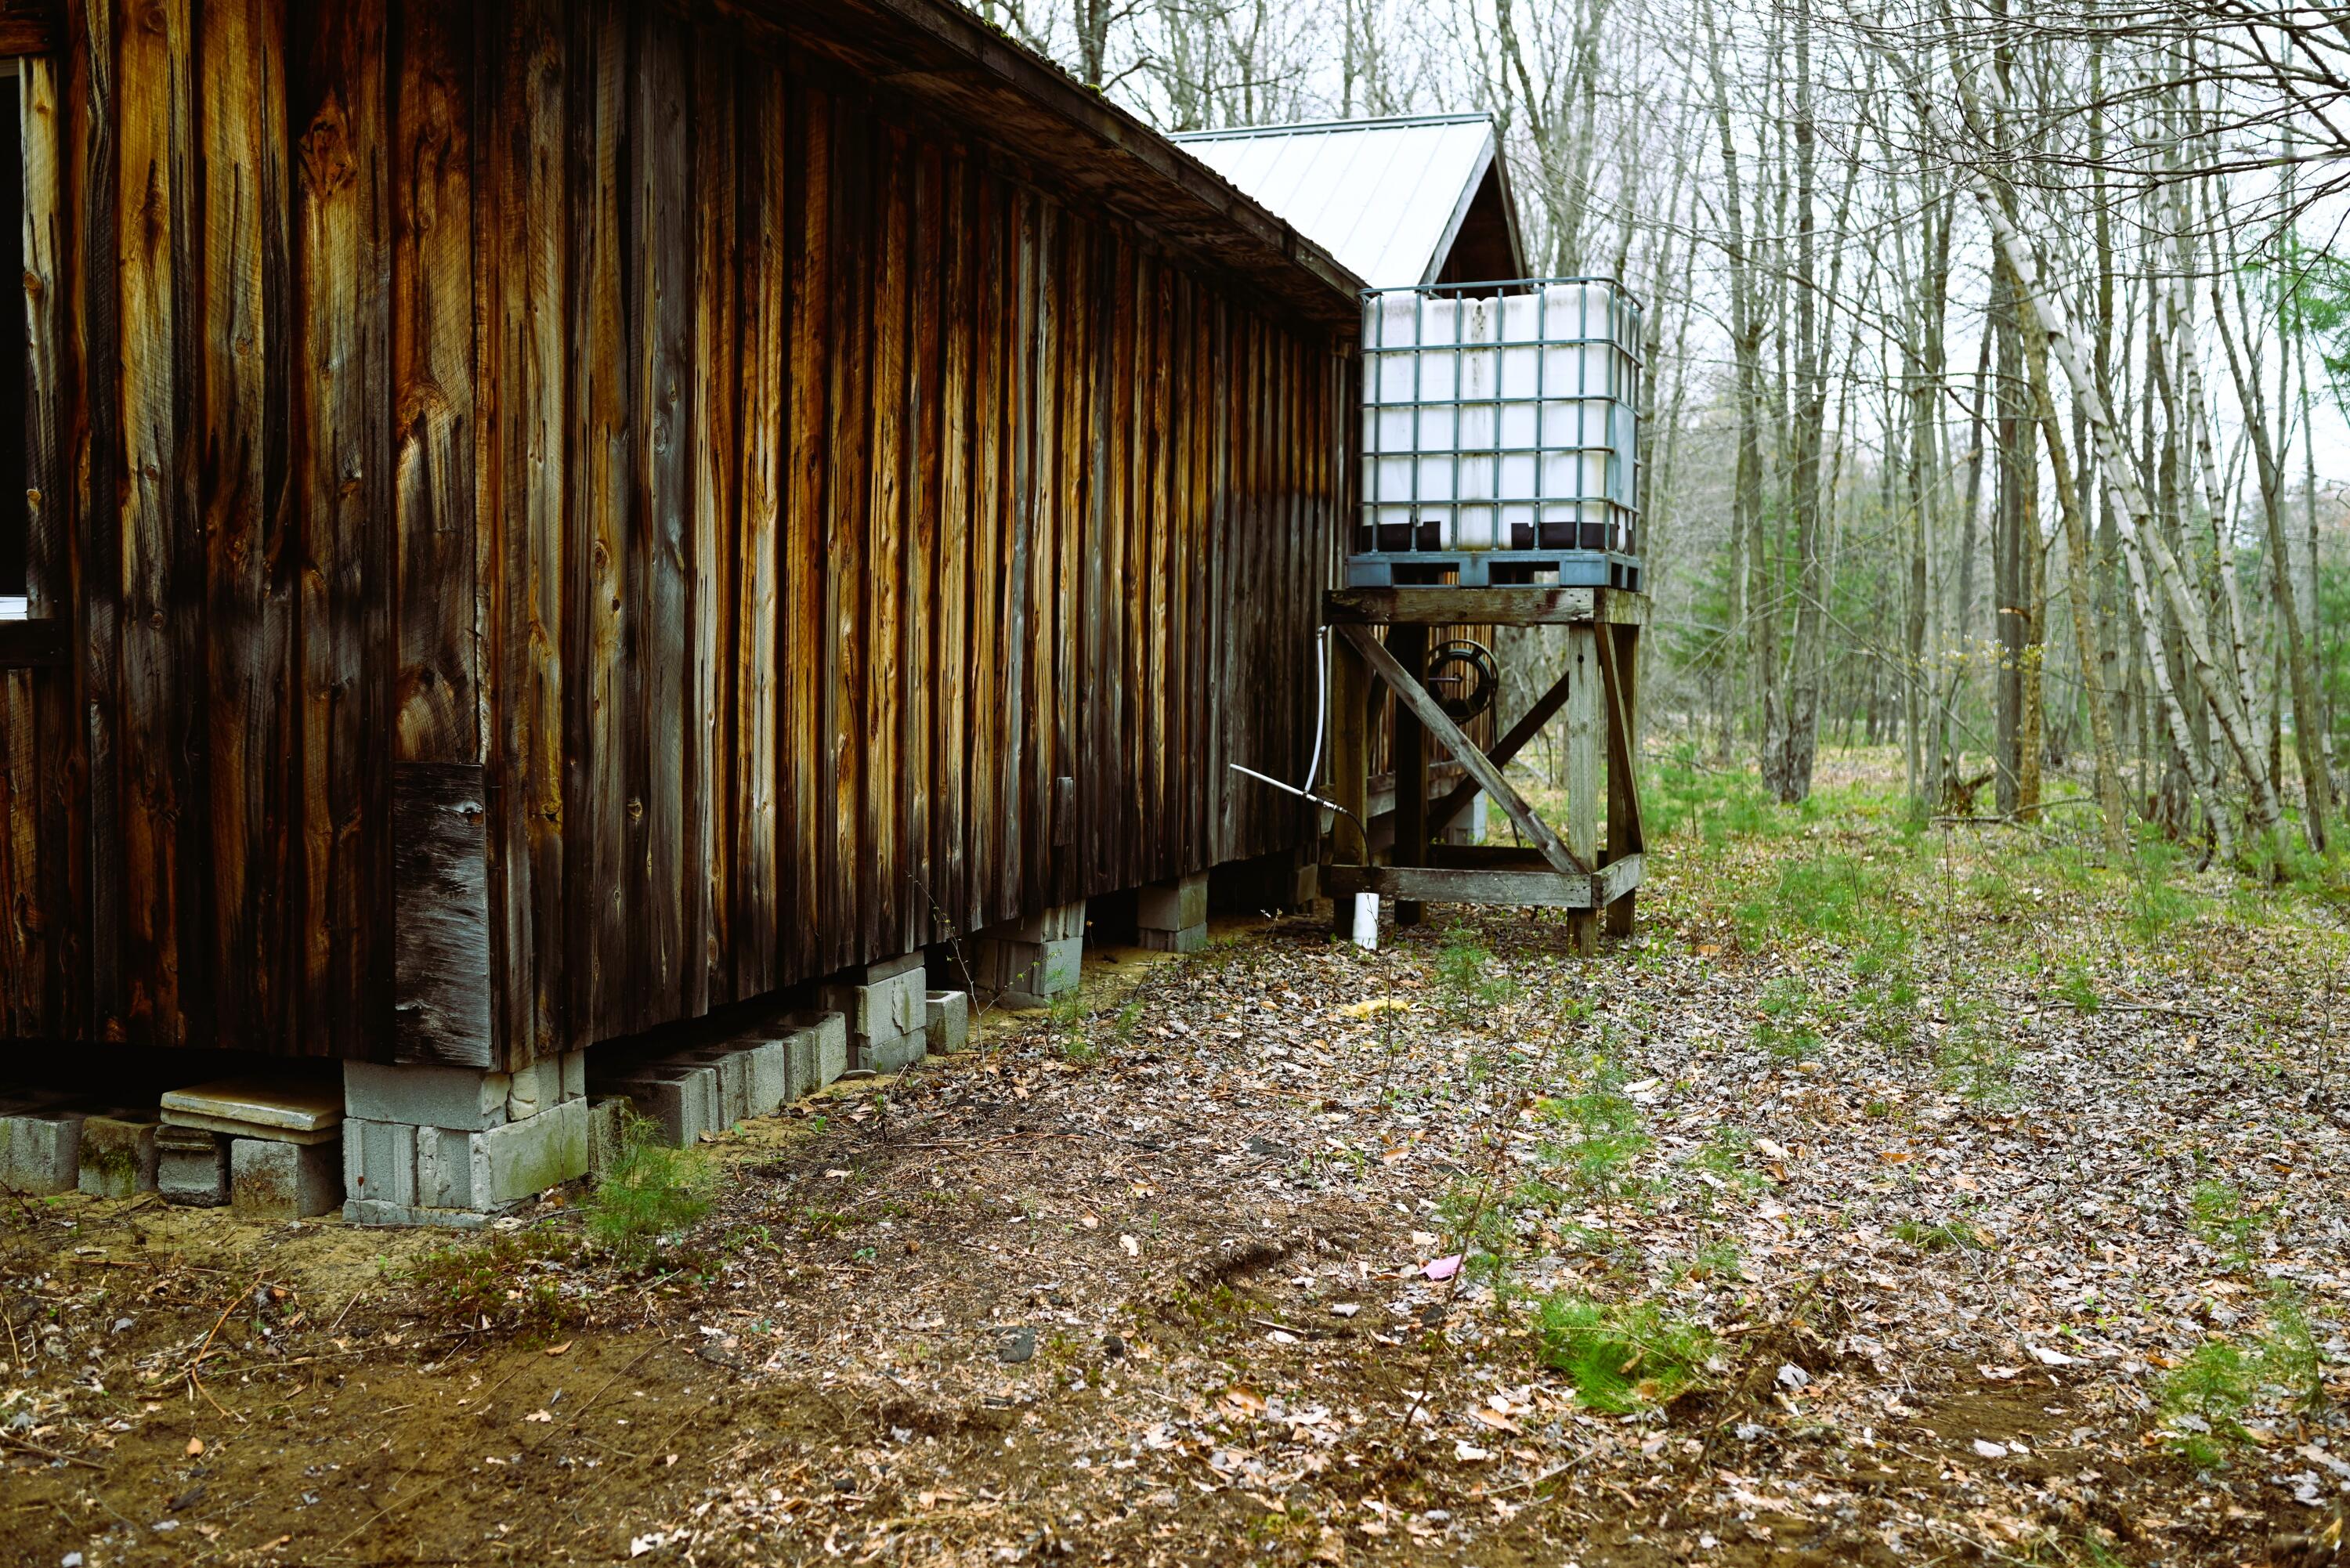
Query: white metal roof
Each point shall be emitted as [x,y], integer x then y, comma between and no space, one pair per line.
[1384,196]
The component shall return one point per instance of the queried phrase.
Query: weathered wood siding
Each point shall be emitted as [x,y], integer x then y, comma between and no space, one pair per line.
[777,528]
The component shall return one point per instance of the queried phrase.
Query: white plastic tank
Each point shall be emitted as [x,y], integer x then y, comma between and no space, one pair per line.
[1499,420]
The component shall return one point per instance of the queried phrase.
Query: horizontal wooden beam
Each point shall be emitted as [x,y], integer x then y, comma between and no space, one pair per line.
[32,644]
[1483,606]
[1536,885]
[31,27]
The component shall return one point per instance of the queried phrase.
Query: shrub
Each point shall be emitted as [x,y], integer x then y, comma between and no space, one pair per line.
[1622,1357]
[651,1193]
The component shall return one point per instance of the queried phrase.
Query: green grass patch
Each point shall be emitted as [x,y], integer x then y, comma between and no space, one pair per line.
[497,1284]
[650,1195]
[1941,1235]
[1464,968]
[2155,904]
[1623,1357]
[1784,1029]
[1976,1060]
[2206,1399]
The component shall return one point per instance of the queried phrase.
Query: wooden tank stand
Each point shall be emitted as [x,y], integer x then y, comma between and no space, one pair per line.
[1598,697]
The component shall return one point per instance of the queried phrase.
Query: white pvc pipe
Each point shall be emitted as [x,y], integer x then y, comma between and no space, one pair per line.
[1321,705]
[1367,921]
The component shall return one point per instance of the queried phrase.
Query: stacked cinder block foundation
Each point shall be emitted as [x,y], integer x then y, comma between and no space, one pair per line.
[456,1145]
[1172,916]
[266,1145]
[885,1006]
[1029,962]
[694,1090]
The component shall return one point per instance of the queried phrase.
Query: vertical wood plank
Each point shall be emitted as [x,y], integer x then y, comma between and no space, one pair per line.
[247,361]
[55,566]
[949,641]
[436,685]
[1017,698]
[774,642]
[882,624]
[163,728]
[715,566]
[1039,710]
[660,324]
[1071,264]
[848,460]
[799,323]
[599,523]
[1619,648]
[921,784]
[990,394]
[522,391]
[343,472]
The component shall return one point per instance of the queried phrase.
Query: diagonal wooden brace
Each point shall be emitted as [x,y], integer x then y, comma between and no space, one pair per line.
[1431,715]
[1528,726]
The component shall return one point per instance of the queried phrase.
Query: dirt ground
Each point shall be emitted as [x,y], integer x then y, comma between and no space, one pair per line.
[1941,1193]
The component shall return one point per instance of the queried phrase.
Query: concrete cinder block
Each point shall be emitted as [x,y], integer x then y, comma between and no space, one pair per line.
[768,1083]
[40,1151]
[368,1211]
[607,1118]
[682,1101]
[1187,940]
[831,1031]
[733,1070]
[1030,974]
[524,1159]
[1171,906]
[887,1007]
[269,1179]
[191,1166]
[117,1155]
[460,1097]
[892,1052]
[535,1088]
[380,1161]
[947,1019]
[444,1167]
[815,1050]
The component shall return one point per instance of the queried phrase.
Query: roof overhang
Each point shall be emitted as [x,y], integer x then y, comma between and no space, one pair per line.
[999,92]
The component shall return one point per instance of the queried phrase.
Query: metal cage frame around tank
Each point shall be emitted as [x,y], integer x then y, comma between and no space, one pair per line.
[1604,554]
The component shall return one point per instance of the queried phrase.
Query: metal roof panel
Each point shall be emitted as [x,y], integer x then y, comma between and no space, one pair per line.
[1381,195]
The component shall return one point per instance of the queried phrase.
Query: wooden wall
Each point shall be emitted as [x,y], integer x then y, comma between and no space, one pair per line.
[598,520]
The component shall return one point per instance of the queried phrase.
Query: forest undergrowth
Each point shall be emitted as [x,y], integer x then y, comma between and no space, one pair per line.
[1901,1192]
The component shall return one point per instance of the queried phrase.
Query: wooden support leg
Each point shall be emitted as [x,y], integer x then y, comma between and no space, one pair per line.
[1409,646]
[1619,647]
[1350,777]
[1584,741]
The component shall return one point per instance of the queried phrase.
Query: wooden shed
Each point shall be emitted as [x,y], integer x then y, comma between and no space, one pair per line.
[545,518]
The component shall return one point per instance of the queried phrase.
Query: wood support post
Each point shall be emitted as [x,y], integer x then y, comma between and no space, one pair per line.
[1619,654]
[1583,740]
[1409,644]
[1349,786]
